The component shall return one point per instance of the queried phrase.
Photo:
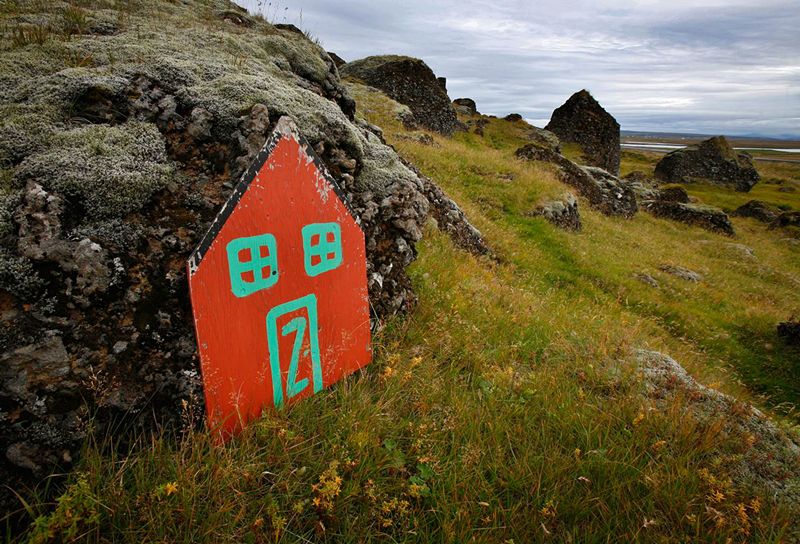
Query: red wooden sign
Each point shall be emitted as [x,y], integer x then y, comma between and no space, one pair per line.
[279,286]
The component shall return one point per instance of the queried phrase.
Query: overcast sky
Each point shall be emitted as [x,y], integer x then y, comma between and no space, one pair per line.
[707,66]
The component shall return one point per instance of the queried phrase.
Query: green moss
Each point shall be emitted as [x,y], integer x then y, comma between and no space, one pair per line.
[112,170]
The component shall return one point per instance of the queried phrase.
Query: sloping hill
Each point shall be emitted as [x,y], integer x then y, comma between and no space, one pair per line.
[511,405]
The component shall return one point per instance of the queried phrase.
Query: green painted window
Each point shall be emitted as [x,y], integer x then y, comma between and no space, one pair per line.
[322,247]
[252,264]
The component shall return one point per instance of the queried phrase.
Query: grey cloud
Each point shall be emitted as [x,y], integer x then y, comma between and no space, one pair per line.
[685,65]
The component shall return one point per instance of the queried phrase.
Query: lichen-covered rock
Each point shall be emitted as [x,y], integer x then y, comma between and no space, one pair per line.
[771,465]
[757,210]
[605,192]
[583,121]
[681,272]
[411,82]
[465,106]
[712,160]
[116,165]
[562,213]
[786,220]
[707,217]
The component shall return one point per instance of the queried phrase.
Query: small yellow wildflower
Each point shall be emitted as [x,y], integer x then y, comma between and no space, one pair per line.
[170,488]
[387,373]
[638,419]
[659,445]
[716,496]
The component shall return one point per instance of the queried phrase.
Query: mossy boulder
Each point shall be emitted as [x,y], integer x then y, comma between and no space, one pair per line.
[713,161]
[582,120]
[118,143]
[411,82]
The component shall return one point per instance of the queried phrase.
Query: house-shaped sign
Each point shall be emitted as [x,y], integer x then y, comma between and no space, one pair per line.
[279,286]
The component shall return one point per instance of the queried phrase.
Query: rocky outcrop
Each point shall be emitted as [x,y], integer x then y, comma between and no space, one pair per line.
[757,210]
[465,106]
[562,213]
[513,117]
[681,272]
[713,161]
[411,82]
[770,464]
[605,192]
[544,138]
[707,217]
[786,219]
[582,120]
[115,170]
[337,60]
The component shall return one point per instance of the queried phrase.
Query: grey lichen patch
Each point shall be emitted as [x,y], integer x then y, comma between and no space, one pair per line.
[381,168]
[112,170]
[18,276]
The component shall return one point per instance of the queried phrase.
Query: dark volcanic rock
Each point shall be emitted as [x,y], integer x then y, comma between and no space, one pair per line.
[713,160]
[605,192]
[562,213]
[466,106]
[513,117]
[411,82]
[789,331]
[673,194]
[115,171]
[707,217]
[757,210]
[583,121]
[786,219]
[337,60]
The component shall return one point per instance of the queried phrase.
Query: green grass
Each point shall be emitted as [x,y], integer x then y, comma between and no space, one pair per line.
[504,408]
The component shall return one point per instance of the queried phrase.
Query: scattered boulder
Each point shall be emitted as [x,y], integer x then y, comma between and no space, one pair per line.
[337,60]
[605,192]
[513,117]
[479,125]
[544,138]
[562,213]
[645,187]
[465,106]
[583,121]
[673,194]
[786,219]
[757,210]
[707,217]
[411,82]
[647,279]
[789,331]
[712,160]
[681,272]
[771,465]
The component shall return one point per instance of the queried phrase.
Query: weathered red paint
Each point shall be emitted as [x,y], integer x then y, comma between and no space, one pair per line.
[285,190]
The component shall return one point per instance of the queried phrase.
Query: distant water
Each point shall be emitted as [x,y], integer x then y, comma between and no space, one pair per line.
[658,146]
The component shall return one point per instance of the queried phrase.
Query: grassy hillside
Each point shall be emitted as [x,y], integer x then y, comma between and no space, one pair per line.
[506,407]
